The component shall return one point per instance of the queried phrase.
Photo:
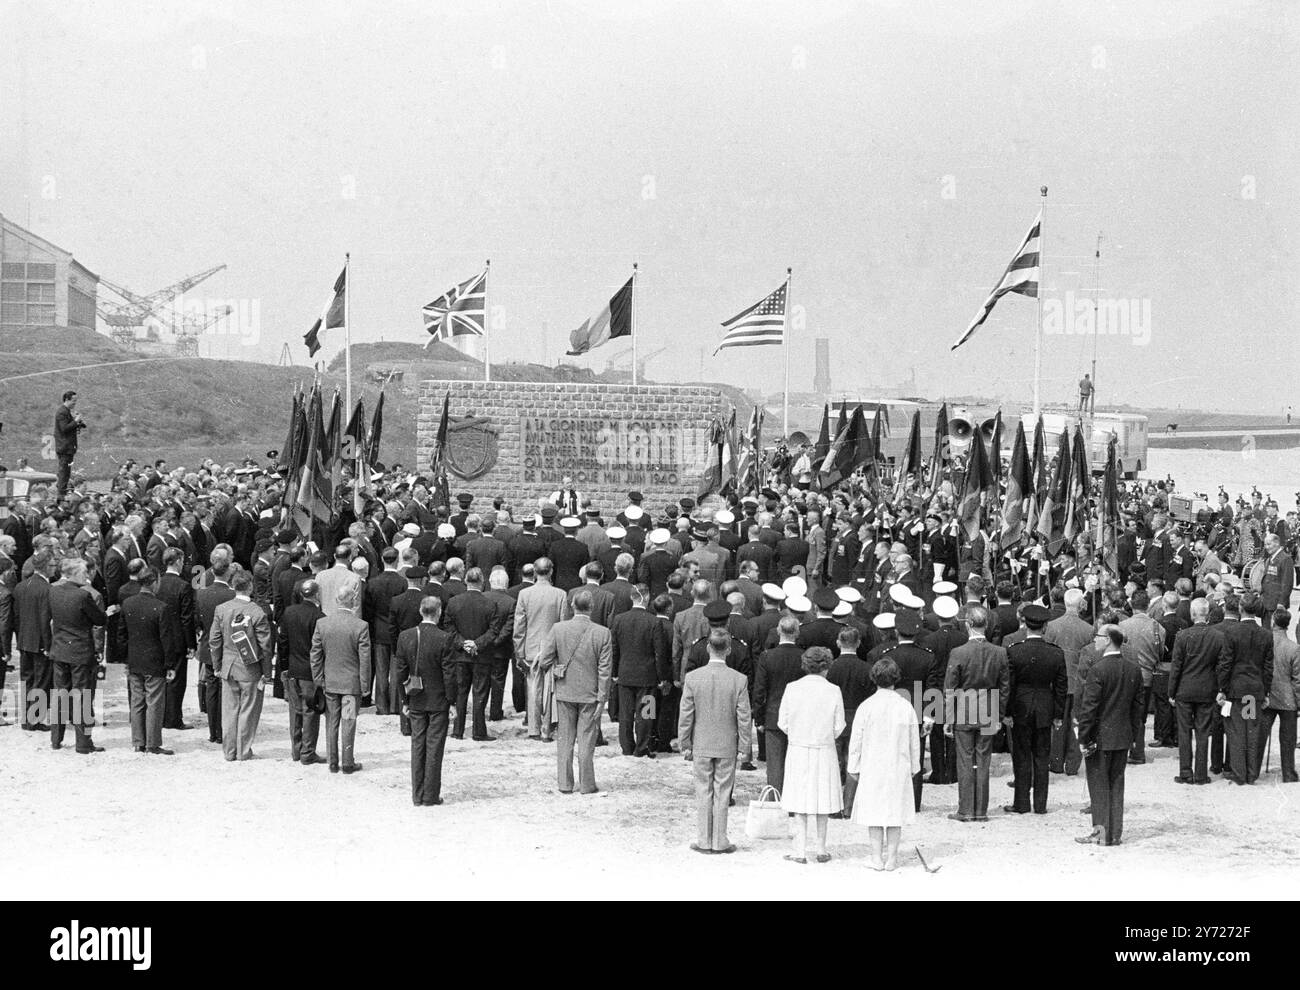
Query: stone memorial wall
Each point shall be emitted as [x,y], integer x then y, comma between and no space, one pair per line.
[519,439]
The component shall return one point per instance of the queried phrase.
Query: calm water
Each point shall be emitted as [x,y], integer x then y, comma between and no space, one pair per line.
[1275,472]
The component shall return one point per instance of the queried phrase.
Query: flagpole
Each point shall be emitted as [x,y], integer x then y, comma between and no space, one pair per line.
[633,303]
[1038,325]
[347,324]
[785,345]
[487,319]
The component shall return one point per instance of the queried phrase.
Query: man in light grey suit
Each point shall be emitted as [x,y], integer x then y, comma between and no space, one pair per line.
[239,643]
[584,653]
[538,610]
[340,663]
[713,731]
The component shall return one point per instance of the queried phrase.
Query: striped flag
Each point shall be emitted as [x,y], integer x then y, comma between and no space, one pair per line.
[459,312]
[1021,276]
[762,323]
[615,320]
[331,317]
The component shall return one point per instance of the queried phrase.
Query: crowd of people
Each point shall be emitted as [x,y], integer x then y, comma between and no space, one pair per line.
[846,639]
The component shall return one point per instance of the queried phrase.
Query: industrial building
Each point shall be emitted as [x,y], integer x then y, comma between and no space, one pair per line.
[41,284]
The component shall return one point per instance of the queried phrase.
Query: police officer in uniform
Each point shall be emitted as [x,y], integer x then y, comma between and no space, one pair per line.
[918,673]
[1038,689]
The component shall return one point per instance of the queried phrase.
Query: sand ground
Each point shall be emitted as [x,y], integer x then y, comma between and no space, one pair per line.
[122,825]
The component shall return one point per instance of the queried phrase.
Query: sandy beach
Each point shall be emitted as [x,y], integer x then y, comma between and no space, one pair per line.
[123,825]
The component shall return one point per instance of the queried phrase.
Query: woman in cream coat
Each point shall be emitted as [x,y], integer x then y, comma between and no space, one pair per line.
[812,716]
[884,753]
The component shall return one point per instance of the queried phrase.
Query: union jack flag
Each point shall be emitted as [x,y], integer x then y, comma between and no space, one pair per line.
[458,312]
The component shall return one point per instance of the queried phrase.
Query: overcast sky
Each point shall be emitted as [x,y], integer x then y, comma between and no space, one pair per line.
[891,153]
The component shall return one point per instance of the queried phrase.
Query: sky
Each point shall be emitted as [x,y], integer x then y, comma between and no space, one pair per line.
[890,153]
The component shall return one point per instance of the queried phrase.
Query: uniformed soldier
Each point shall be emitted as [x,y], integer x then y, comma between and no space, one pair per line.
[846,613]
[633,499]
[1037,705]
[697,655]
[464,500]
[656,564]
[941,643]
[822,630]
[917,675]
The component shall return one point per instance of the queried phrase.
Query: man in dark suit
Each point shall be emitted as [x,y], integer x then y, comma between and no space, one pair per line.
[1244,674]
[527,547]
[852,675]
[917,673]
[74,614]
[116,559]
[759,552]
[656,564]
[621,586]
[426,653]
[379,592]
[641,661]
[1038,691]
[1006,614]
[791,554]
[293,648]
[206,601]
[286,579]
[153,648]
[67,424]
[504,651]
[822,630]
[486,552]
[474,620]
[568,554]
[177,594]
[603,603]
[775,669]
[31,619]
[1193,685]
[1110,718]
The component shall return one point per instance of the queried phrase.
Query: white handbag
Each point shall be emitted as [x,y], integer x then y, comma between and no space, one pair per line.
[766,819]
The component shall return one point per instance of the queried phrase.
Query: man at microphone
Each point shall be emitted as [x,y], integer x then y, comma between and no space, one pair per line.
[67,424]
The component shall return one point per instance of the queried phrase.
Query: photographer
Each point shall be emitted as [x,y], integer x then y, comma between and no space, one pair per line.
[67,424]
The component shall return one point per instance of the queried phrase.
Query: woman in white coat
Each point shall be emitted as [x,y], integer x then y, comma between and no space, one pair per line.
[884,753]
[812,716]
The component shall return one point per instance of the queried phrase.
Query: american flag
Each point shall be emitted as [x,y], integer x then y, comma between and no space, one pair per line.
[762,323]
[460,311]
[1021,276]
